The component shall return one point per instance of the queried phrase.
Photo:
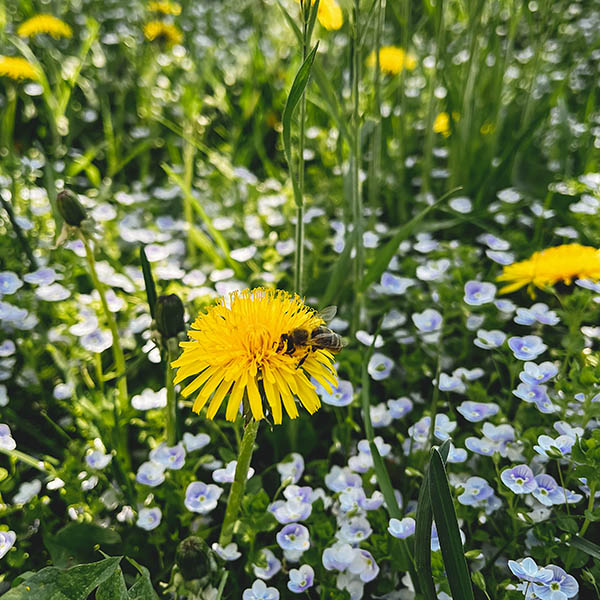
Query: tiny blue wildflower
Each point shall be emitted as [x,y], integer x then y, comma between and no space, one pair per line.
[554,448]
[338,557]
[291,511]
[149,518]
[7,541]
[402,528]
[195,442]
[6,440]
[505,306]
[96,459]
[456,455]
[479,292]
[488,340]
[560,587]
[519,479]
[342,395]
[433,270]
[380,366]
[380,415]
[9,283]
[301,579]
[587,284]
[227,475]
[535,374]
[272,565]
[341,478]
[474,322]
[528,347]
[294,537]
[364,565]
[427,321]
[202,498]
[476,492]
[399,407]
[547,491]
[170,457]
[292,468]
[354,531]
[392,284]
[229,553]
[502,258]
[477,411]
[27,491]
[151,474]
[260,591]
[43,276]
[526,569]
[450,383]
[150,399]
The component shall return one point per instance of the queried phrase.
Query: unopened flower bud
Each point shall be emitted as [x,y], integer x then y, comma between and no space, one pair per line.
[192,558]
[70,208]
[169,315]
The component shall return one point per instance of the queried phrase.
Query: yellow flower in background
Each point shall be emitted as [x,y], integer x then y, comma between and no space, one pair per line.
[49,24]
[442,123]
[329,14]
[487,128]
[157,30]
[547,267]
[165,7]
[393,60]
[17,68]
[236,348]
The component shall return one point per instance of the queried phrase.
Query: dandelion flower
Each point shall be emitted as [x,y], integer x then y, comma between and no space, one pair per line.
[165,7]
[157,30]
[442,123]
[329,14]
[236,348]
[45,24]
[17,68]
[393,60]
[547,267]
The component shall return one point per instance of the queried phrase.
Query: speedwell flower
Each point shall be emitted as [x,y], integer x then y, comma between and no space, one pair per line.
[547,267]
[17,68]
[42,23]
[239,346]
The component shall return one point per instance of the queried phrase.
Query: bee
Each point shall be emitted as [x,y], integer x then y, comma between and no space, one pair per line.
[320,338]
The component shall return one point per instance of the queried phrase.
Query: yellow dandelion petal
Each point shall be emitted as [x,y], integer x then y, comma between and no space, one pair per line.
[166,32]
[17,68]
[329,14]
[545,268]
[393,60]
[241,347]
[49,24]
[165,7]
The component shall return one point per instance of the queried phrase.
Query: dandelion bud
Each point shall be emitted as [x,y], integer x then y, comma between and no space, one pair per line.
[192,558]
[70,208]
[169,315]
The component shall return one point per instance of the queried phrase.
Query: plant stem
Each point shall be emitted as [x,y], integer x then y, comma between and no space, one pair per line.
[239,483]
[41,465]
[172,351]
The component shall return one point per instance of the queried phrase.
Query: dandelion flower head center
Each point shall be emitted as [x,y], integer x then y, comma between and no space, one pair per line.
[239,347]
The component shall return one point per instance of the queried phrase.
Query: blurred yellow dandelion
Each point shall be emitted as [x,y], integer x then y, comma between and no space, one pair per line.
[547,267]
[329,14]
[42,23]
[157,30]
[236,348]
[17,68]
[442,123]
[165,7]
[487,128]
[393,60]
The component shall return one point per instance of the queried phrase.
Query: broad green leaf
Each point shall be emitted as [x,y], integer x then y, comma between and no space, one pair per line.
[298,87]
[585,546]
[142,588]
[76,583]
[423,533]
[148,280]
[447,528]
[387,252]
[113,588]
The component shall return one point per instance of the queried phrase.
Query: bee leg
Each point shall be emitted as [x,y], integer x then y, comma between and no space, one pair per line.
[302,361]
[283,341]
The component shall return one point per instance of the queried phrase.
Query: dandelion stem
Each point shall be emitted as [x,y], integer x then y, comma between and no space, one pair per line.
[239,483]
[172,351]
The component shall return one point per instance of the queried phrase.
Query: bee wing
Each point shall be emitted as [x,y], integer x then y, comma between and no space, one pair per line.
[328,313]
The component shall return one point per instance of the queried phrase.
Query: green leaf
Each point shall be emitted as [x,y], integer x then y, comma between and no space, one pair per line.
[338,275]
[298,87]
[447,528]
[113,588]
[585,546]
[148,280]
[142,588]
[387,252]
[76,583]
[423,532]
[291,23]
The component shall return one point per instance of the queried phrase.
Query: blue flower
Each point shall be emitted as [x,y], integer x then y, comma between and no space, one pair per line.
[380,366]
[6,440]
[150,474]
[400,407]
[43,276]
[476,492]
[427,321]
[291,468]
[338,557]
[364,565]
[531,393]
[7,541]
[450,383]
[340,479]
[554,448]
[342,395]
[539,312]
[505,306]
[488,340]
[519,479]
[528,347]
[402,528]
[227,475]
[195,442]
[493,242]
[9,283]
[479,292]
[548,491]
[456,455]
[96,459]
[560,587]
[260,591]
[229,553]
[149,518]
[477,411]
[170,457]
[294,537]
[526,569]
[202,498]
[391,284]
[354,531]
[272,565]
[301,579]
[535,374]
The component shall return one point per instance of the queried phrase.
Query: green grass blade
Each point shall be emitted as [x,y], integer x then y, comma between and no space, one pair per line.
[291,23]
[298,87]
[585,546]
[338,276]
[148,280]
[423,532]
[447,528]
[387,252]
